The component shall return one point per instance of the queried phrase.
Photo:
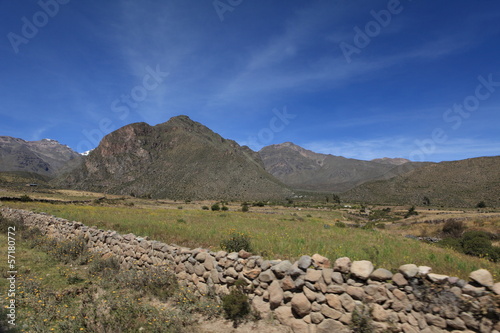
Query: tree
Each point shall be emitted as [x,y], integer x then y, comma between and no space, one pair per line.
[481,204]
[336,198]
[411,212]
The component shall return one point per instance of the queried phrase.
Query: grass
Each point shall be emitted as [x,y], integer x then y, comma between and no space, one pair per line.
[286,234]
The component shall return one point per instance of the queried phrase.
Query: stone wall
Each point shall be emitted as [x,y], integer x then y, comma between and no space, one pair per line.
[312,294]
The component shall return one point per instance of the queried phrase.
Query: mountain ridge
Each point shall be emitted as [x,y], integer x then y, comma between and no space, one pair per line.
[178,159]
[304,169]
[46,157]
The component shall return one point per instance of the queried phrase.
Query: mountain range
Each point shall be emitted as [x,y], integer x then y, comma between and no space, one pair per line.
[183,159]
[45,157]
[306,170]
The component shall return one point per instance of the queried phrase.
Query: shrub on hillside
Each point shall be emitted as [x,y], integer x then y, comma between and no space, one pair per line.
[236,305]
[453,228]
[478,243]
[205,208]
[215,207]
[69,251]
[411,212]
[481,204]
[244,208]
[237,242]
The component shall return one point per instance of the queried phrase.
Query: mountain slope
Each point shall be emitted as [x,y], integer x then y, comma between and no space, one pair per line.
[461,183]
[45,157]
[303,169]
[179,159]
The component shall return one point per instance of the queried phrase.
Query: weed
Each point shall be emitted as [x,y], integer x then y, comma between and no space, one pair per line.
[235,305]
[237,242]
[361,320]
[69,251]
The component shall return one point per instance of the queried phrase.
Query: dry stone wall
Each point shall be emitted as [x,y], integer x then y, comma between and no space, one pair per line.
[312,294]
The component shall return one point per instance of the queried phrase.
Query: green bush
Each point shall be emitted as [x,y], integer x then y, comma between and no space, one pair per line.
[25,198]
[224,208]
[476,243]
[215,207]
[235,305]
[244,208]
[205,208]
[237,242]
[340,224]
[481,204]
[361,320]
[411,212]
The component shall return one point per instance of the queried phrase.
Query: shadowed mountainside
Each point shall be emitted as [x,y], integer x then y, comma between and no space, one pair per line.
[179,159]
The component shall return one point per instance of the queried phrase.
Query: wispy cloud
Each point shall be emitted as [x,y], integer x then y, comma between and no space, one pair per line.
[394,147]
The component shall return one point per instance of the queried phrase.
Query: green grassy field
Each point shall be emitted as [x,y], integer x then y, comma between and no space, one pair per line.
[275,233]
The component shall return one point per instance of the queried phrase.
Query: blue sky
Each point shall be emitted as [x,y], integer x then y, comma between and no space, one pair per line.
[360,79]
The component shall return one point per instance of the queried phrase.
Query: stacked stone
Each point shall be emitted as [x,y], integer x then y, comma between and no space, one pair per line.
[311,294]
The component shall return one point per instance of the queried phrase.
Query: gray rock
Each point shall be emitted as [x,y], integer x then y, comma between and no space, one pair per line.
[328,312]
[301,305]
[381,274]
[342,265]
[284,315]
[483,277]
[330,325]
[316,317]
[281,269]
[409,270]
[304,262]
[399,280]
[275,294]
[337,278]
[267,276]
[362,269]
[313,275]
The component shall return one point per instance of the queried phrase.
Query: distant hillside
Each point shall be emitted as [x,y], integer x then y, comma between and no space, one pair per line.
[306,170]
[179,159]
[459,184]
[44,157]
